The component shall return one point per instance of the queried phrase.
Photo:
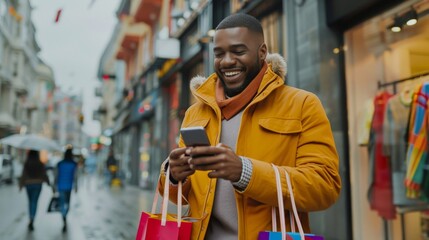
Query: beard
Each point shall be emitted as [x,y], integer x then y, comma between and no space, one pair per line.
[231,92]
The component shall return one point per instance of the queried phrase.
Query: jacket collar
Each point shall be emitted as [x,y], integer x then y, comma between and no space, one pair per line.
[204,88]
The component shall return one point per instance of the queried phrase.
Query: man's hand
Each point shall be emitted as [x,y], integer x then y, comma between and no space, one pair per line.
[221,161]
[179,166]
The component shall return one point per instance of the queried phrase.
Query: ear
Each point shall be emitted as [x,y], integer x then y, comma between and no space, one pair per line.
[262,52]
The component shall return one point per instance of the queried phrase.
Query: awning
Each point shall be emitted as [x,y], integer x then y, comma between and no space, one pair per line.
[129,36]
[148,11]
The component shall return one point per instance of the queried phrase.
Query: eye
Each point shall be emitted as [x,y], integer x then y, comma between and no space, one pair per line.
[218,54]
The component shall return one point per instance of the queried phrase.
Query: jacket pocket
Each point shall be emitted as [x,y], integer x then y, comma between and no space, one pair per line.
[282,126]
[197,123]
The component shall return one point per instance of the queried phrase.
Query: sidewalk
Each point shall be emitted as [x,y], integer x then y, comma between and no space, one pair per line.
[97,213]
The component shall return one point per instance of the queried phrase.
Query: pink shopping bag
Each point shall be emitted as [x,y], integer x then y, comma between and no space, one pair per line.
[164,226]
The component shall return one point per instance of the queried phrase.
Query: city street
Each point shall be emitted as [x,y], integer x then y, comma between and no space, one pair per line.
[97,213]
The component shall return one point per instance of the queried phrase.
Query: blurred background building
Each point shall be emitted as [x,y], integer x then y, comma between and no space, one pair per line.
[67,119]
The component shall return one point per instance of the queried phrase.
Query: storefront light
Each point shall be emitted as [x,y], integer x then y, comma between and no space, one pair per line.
[336,50]
[398,22]
[410,17]
[411,22]
[395,28]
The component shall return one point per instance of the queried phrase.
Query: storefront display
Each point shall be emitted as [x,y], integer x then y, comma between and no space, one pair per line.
[387,62]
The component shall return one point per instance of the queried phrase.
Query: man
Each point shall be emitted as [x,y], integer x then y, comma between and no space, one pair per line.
[252,120]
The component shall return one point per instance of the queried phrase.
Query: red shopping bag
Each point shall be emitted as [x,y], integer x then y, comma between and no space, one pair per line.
[164,226]
[283,235]
[150,228]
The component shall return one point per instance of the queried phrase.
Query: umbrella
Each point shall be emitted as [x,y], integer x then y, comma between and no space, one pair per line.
[31,141]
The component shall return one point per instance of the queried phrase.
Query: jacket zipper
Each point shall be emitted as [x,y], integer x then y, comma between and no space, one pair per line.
[218,115]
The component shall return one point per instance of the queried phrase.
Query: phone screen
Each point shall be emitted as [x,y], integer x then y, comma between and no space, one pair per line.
[195,136]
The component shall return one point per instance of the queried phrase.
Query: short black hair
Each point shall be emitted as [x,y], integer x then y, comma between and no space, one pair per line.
[241,20]
[68,153]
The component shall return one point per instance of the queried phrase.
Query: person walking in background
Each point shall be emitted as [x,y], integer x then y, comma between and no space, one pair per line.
[32,177]
[65,179]
[253,120]
[111,167]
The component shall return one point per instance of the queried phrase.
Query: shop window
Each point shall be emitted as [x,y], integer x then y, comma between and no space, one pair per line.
[272,25]
[4,97]
[15,69]
[384,67]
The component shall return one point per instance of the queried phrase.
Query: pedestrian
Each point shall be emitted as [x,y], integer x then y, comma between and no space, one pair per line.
[32,177]
[65,180]
[111,166]
[252,120]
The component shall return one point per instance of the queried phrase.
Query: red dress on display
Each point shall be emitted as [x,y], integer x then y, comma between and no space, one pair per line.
[380,191]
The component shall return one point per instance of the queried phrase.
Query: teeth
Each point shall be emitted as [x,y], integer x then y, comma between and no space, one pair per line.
[230,74]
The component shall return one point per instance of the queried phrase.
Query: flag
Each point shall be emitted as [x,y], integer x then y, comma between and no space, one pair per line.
[57,17]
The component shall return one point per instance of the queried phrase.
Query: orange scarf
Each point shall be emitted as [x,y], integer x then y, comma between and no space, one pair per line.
[231,106]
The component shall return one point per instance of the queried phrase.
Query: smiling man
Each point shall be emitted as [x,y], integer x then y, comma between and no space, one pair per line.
[252,120]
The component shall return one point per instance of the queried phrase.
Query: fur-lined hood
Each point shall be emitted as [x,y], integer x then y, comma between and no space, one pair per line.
[278,64]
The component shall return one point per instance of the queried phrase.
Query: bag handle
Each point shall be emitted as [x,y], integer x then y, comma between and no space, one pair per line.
[164,205]
[294,216]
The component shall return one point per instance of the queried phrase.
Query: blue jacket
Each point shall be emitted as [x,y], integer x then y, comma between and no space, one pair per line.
[66,171]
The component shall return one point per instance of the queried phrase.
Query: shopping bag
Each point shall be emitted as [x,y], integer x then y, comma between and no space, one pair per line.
[289,236]
[54,204]
[294,218]
[164,226]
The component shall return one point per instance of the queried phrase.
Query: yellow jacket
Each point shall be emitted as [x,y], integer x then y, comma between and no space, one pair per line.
[282,125]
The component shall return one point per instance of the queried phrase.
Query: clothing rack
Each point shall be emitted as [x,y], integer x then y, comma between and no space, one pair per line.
[393,84]
[413,77]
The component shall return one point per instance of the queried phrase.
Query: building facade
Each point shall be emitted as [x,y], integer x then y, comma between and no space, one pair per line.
[67,119]
[26,83]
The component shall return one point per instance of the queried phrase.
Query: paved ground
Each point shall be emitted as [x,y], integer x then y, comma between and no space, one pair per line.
[97,213]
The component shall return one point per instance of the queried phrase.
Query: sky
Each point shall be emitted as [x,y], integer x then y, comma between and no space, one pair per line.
[73,46]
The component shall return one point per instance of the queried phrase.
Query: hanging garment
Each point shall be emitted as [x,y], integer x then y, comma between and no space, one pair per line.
[417,151]
[380,191]
[365,123]
[395,146]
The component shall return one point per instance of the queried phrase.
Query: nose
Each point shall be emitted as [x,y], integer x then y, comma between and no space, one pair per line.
[228,60]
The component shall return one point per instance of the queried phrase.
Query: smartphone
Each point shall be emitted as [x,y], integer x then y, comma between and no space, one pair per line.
[194,136]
